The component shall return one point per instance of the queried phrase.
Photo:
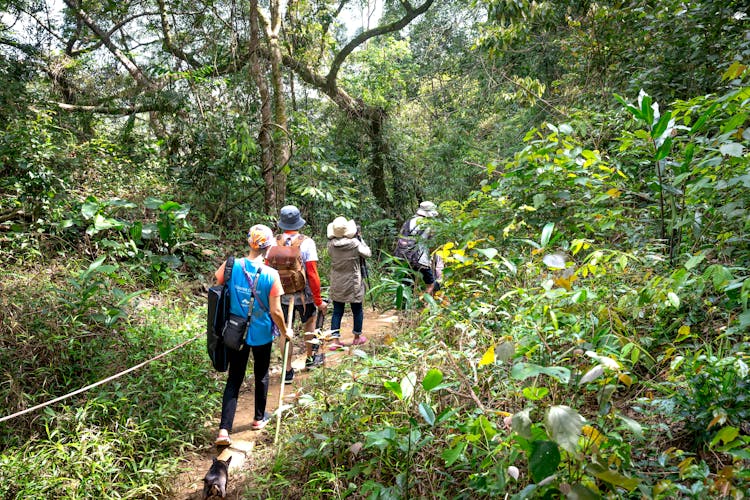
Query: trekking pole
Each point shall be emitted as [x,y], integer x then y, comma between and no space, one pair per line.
[290,316]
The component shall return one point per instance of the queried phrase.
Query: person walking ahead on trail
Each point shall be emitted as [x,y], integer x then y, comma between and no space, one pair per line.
[266,311]
[347,285]
[308,300]
[411,244]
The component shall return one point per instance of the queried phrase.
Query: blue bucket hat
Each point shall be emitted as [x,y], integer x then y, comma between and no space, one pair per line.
[290,218]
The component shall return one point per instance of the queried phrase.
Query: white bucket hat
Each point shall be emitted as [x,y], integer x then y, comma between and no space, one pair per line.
[427,209]
[342,228]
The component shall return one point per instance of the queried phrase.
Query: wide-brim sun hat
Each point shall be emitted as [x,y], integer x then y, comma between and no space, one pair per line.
[290,218]
[427,209]
[342,228]
[260,236]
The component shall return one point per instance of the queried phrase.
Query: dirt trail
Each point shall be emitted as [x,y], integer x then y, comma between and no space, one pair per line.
[189,484]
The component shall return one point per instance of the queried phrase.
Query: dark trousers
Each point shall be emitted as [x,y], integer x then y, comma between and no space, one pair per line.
[237,367]
[338,313]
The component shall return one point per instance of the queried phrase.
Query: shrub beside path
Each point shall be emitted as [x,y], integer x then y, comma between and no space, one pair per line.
[189,484]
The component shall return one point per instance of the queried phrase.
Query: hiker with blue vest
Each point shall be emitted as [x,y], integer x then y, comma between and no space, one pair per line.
[252,284]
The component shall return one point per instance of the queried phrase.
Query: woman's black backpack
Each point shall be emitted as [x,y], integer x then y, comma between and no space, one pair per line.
[218,314]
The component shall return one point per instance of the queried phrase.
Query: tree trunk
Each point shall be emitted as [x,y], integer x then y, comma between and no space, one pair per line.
[281,138]
[258,75]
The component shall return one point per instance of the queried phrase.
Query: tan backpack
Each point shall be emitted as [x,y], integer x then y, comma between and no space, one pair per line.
[287,260]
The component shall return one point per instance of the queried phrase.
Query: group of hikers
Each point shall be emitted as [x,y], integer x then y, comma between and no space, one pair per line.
[264,284]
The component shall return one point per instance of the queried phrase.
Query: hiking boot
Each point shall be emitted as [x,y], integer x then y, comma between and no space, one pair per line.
[289,377]
[315,361]
[359,340]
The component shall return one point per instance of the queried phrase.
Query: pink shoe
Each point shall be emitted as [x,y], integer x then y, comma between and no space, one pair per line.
[359,340]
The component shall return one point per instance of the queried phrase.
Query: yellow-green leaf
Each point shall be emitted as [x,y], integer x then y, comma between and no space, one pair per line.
[489,356]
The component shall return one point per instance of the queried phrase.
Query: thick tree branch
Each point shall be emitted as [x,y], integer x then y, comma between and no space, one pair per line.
[410,15]
[106,39]
[168,42]
[104,109]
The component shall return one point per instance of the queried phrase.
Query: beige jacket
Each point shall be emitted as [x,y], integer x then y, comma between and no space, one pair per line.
[346,280]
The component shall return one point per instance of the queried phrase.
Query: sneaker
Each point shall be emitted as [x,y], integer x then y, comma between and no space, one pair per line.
[259,424]
[315,361]
[289,377]
[359,340]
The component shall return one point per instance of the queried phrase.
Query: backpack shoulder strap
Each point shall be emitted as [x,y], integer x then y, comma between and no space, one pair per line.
[228,269]
[298,239]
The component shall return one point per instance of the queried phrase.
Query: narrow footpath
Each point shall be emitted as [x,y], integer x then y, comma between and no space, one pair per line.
[189,484]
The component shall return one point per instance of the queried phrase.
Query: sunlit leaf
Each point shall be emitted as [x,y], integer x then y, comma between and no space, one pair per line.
[604,360]
[394,387]
[432,379]
[488,357]
[632,425]
[521,423]
[427,413]
[408,383]
[554,261]
[592,374]
[564,426]
[547,233]
[731,149]
[522,371]
[726,435]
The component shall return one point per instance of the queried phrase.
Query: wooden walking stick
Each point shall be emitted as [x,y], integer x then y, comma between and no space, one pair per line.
[290,317]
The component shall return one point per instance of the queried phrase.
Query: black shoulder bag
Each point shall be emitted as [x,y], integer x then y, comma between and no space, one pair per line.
[218,313]
[235,329]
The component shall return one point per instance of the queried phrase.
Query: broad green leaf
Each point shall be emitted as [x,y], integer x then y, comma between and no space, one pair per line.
[521,423]
[664,149]
[490,253]
[452,454]
[604,360]
[701,121]
[612,477]
[694,261]
[394,387]
[592,374]
[554,261]
[432,379]
[734,149]
[505,352]
[581,492]
[408,383]
[489,356]
[427,413]
[632,425]
[152,203]
[661,125]
[522,371]
[89,209]
[544,459]
[534,393]
[547,233]
[674,300]
[632,109]
[564,426]
[726,435]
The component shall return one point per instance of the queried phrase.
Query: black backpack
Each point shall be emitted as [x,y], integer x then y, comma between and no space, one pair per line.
[218,314]
[407,247]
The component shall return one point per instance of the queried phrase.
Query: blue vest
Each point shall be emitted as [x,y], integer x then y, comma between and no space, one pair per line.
[259,330]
